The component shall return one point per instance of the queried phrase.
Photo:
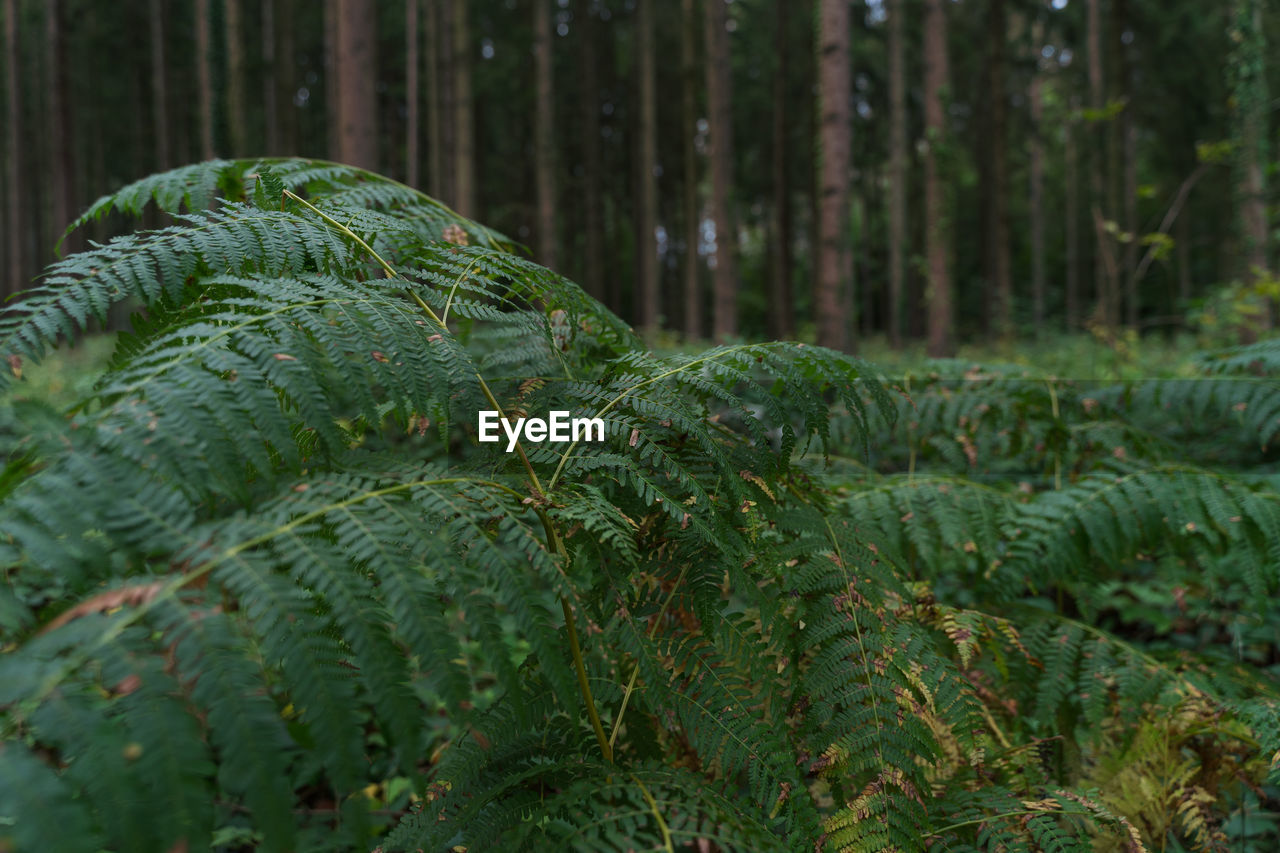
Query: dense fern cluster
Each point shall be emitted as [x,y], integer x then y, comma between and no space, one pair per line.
[264,587]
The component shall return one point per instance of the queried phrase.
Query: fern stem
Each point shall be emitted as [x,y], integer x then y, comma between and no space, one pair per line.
[635,671]
[606,749]
[657,814]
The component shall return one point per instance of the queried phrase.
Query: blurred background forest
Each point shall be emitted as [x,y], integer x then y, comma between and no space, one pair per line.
[900,171]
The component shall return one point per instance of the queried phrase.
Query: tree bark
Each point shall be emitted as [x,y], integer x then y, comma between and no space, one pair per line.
[412,39]
[692,214]
[270,109]
[1105,280]
[897,170]
[1251,105]
[14,230]
[1000,274]
[834,260]
[159,97]
[1071,177]
[236,107]
[435,142]
[356,39]
[1036,177]
[781,323]
[720,151]
[1126,176]
[592,172]
[62,170]
[204,80]
[544,121]
[937,217]
[646,243]
[447,89]
[464,117]
[286,77]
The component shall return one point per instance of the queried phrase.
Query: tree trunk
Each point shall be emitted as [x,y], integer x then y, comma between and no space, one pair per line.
[834,260]
[1000,275]
[1183,244]
[62,172]
[355,40]
[435,142]
[447,88]
[937,217]
[1071,177]
[1036,170]
[720,150]
[1126,177]
[781,323]
[1250,91]
[412,39]
[646,243]
[159,97]
[692,214]
[286,77]
[270,109]
[236,107]
[464,144]
[1104,280]
[544,122]
[204,79]
[897,170]
[14,270]
[589,131]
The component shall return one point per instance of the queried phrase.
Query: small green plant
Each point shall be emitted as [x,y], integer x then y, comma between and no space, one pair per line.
[265,588]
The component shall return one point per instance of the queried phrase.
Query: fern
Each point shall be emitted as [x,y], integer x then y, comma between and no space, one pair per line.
[265,574]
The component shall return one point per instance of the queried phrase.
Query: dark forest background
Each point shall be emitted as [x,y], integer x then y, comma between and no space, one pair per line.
[932,170]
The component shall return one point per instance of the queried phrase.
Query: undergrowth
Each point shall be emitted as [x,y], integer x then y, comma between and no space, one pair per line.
[265,589]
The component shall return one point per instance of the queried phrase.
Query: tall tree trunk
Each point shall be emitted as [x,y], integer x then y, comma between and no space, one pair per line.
[724,285]
[1183,244]
[435,143]
[356,39]
[412,38]
[834,259]
[464,116]
[63,168]
[1124,200]
[897,170]
[1250,91]
[1071,177]
[647,243]
[937,217]
[236,106]
[1104,280]
[592,173]
[204,79]
[544,121]
[159,97]
[270,86]
[689,130]
[15,279]
[1036,170]
[1000,275]
[781,320]
[447,88]
[286,77]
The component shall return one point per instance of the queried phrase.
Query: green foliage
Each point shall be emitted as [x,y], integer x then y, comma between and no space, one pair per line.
[264,586]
